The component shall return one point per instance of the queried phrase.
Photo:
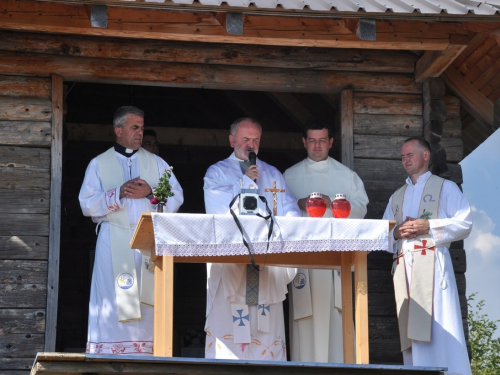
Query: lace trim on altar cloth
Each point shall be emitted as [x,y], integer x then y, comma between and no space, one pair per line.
[185,250]
[121,347]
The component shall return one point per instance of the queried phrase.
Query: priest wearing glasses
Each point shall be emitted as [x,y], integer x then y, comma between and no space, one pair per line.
[116,190]
[245,303]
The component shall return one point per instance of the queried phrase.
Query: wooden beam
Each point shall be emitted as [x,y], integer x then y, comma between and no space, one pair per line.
[365,29]
[347,127]
[293,107]
[55,214]
[471,98]
[208,53]
[434,63]
[202,75]
[204,27]
[185,136]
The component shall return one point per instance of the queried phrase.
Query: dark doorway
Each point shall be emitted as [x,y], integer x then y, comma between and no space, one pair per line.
[203,117]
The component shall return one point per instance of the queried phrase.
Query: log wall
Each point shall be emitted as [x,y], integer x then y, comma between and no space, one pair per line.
[382,121]
[25,125]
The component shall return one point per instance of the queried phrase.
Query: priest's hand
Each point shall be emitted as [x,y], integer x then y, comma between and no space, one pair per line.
[252,172]
[135,189]
[411,228]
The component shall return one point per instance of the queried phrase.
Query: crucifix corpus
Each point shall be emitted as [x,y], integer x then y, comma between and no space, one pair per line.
[274,191]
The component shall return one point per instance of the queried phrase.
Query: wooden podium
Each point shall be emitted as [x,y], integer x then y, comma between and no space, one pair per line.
[144,239]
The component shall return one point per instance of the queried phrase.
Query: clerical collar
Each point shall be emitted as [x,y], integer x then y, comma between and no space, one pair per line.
[127,152]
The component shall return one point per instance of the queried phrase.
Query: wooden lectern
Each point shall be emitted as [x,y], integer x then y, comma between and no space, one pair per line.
[144,239]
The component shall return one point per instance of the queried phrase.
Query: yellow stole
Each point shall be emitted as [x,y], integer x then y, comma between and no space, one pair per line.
[123,259]
[414,307]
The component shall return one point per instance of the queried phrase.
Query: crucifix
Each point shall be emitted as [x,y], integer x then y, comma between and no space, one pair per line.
[274,191]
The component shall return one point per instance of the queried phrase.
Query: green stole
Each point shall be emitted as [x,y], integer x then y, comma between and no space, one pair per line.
[123,259]
[414,307]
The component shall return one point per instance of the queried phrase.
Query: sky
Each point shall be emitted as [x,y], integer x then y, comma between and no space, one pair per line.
[481,175]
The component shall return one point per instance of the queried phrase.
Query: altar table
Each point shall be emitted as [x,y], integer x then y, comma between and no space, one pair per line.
[296,241]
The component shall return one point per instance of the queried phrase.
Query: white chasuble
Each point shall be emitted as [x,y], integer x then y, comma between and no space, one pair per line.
[452,222]
[317,300]
[226,325]
[106,334]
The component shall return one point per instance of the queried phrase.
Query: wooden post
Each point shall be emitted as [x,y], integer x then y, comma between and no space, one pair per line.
[361,307]
[347,318]
[55,214]
[164,307]
[347,128]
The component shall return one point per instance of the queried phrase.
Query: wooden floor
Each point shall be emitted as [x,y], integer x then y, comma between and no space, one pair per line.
[78,363]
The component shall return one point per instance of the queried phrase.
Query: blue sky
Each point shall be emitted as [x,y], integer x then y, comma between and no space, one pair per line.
[481,174]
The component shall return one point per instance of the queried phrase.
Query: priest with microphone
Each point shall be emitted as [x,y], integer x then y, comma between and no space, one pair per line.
[244,303]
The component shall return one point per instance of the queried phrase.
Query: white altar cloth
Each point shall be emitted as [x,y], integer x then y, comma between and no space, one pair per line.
[217,235]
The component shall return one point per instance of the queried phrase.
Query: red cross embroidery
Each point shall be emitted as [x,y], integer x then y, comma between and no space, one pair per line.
[397,256]
[424,247]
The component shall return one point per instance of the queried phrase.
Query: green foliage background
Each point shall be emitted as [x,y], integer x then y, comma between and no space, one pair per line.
[485,348]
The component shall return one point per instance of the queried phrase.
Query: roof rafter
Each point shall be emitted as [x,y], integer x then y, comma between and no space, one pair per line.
[141,23]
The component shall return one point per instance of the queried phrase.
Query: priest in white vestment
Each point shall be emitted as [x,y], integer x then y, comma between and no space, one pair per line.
[317,303]
[115,192]
[435,338]
[238,327]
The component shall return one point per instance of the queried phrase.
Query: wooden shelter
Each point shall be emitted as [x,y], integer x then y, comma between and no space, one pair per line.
[380,73]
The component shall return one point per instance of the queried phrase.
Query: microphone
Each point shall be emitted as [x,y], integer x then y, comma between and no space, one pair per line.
[252,158]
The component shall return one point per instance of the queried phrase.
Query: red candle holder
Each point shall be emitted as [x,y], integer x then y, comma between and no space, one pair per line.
[316,205]
[341,208]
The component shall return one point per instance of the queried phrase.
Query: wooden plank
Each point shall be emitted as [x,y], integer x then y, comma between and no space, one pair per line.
[434,63]
[24,247]
[208,53]
[22,321]
[488,73]
[32,224]
[472,100]
[56,149]
[184,136]
[383,147]
[16,366]
[205,27]
[452,105]
[460,62]
[393,104]
[377,146]
[392,171]
[202,75]
[24,178]
[347,308]
[347,128]
[454,149]
[24,284]
[21,345]
[23,86]
[164,307]
[108,365]
[403,125]
[24,109]
[24,201]
[24,157]
[361,307]
[25,133]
